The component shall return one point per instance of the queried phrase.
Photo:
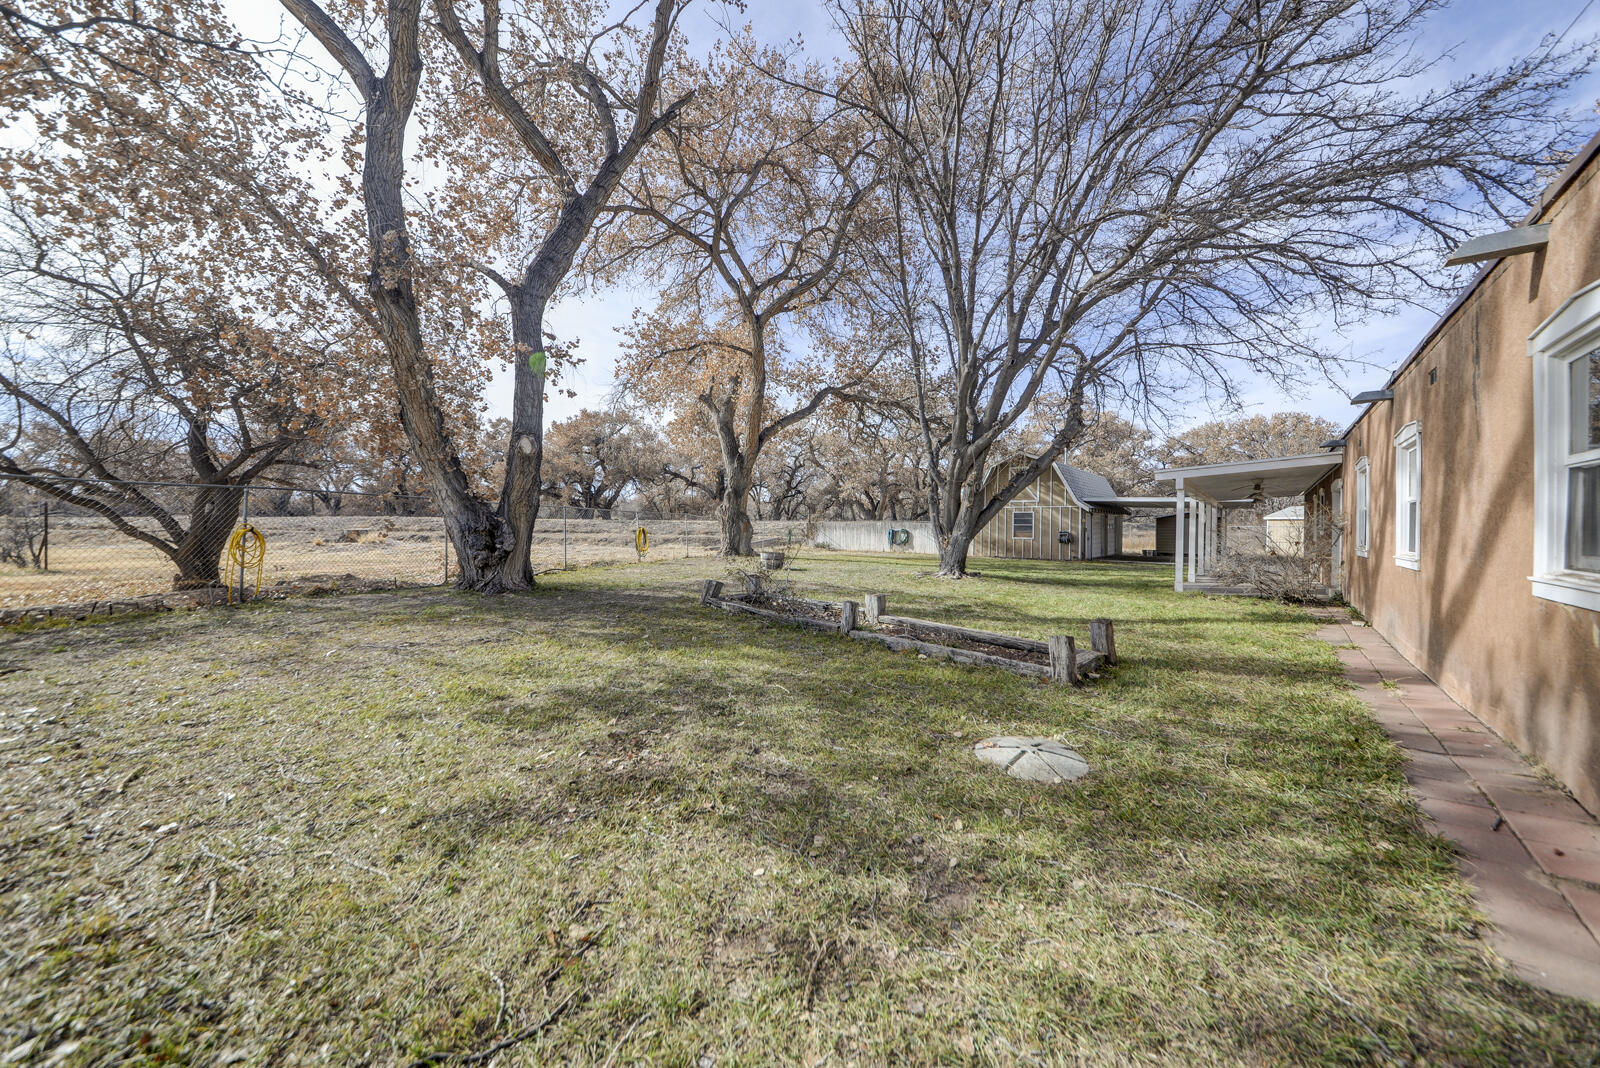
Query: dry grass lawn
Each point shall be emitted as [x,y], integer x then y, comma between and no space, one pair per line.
[602,825]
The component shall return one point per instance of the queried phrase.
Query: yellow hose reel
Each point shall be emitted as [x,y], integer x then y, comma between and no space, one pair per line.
[247,548]
[641,541]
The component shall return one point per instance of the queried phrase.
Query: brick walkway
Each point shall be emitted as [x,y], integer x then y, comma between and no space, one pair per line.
[1531,852]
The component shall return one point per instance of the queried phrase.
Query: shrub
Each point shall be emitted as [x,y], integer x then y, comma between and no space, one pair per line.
[1294,578]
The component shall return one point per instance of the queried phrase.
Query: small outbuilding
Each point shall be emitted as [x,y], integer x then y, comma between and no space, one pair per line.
[1286,530]
[1067,513]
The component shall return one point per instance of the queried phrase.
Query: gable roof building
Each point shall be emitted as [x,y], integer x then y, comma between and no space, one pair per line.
[1067,513]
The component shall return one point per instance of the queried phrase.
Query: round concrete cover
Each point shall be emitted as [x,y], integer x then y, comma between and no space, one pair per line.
[1034,759]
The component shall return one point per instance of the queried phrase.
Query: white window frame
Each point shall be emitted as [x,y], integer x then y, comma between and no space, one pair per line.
[1407,488]
[1571,333]
[1363,504]
[1033,524]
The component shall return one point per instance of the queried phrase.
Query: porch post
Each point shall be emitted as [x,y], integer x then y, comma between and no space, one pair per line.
[1208,558]
[1177,539]
[1194,540]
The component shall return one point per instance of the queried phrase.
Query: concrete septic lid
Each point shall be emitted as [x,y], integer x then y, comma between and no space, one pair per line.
[1034,759]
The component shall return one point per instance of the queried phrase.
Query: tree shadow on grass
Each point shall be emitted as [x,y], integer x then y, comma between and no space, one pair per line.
[837,755]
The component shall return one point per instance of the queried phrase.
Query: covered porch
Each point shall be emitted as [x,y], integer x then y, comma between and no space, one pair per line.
[1205,494]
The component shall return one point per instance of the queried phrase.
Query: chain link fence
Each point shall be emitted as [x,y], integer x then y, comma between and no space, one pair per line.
[157,538]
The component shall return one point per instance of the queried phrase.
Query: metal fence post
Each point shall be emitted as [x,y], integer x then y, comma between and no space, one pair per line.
[686,537]
[44,543]
[446,550]
[243,523]
[563,537]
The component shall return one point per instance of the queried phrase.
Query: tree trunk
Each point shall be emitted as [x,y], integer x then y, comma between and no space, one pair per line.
[738,537]
[955,520]
[519,495]
[480,537]
[198,554]
[953,551]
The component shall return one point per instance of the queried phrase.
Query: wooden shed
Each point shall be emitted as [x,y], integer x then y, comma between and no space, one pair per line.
[1063,515]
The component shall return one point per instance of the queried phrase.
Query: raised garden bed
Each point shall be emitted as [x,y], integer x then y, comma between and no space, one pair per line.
[1059,658]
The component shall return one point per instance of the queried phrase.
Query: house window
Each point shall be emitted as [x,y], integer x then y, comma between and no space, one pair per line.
[1022,524]
[1407,495]
[1363,505]
[1566,452]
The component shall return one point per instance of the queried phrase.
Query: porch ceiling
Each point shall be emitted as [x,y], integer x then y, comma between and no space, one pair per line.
[1284,476]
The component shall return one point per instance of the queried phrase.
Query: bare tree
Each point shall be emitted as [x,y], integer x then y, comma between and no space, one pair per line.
[1150,195]
[222,137]
[112,382]
[1249,437]
[154,326]
[752,206]
[546,71]
[596,457]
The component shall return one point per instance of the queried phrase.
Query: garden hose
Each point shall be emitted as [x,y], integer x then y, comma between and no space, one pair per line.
[247,548]
[641,541]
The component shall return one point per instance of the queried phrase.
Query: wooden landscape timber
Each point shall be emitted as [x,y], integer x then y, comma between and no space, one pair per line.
[1066,663]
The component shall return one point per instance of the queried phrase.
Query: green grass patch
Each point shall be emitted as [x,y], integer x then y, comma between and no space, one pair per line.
[369,829]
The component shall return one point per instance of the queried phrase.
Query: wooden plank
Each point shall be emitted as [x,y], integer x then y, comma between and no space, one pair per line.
[1064,659]
[847,617]
[1005,641]
[875,605]
[959,656]
[711,591]
[1103,639]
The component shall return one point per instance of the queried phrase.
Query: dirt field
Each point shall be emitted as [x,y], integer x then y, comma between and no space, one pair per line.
[91,560]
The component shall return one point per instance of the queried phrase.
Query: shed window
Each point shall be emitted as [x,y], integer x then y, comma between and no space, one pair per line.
[1363,505]
[1407,495]
[1022,524]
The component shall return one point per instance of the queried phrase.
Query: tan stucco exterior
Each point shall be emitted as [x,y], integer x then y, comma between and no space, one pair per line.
[1467,614]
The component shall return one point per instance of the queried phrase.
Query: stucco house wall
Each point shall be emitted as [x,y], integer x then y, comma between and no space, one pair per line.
[1466,614]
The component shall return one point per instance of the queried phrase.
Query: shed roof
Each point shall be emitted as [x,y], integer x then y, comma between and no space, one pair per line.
[1085,485]
[1092,491]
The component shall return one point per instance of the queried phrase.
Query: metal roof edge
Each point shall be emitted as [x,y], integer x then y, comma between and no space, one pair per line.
[1304,459]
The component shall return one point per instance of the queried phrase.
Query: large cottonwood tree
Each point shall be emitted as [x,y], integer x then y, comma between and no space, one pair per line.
[539,72]
[1155,195]
[751,208]
[158,323]
[575,96]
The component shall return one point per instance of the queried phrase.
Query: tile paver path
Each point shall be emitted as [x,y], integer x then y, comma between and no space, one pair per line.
[1531,852]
